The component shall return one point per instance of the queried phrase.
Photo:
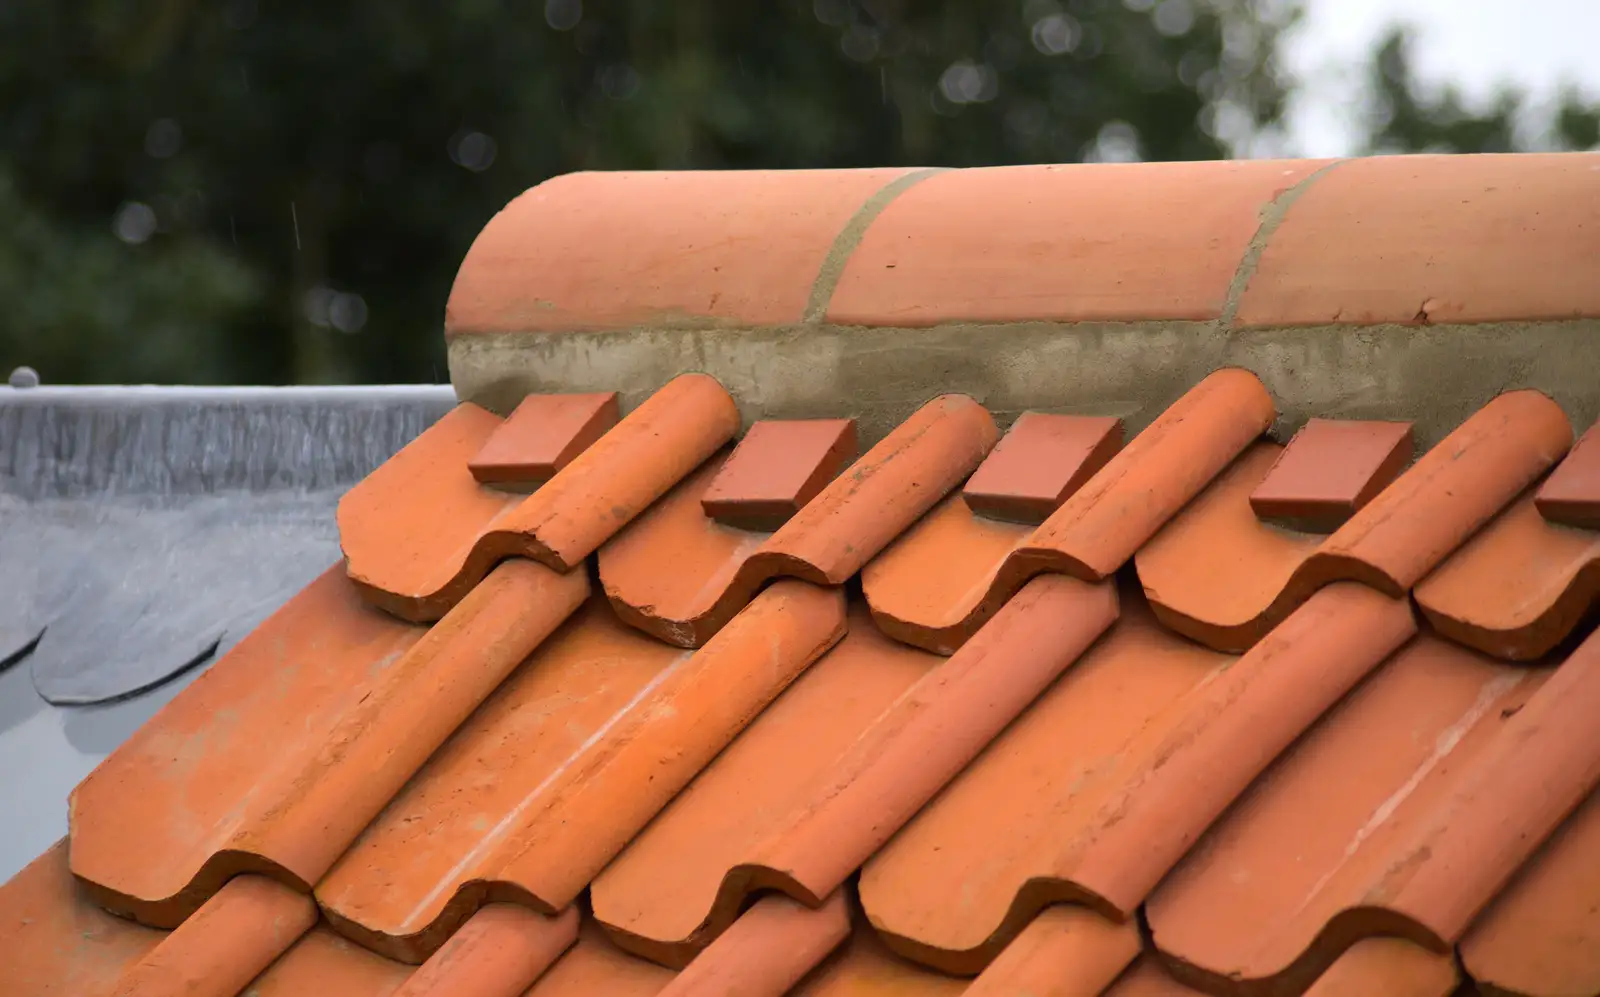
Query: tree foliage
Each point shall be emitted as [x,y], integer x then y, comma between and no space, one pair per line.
[277,191]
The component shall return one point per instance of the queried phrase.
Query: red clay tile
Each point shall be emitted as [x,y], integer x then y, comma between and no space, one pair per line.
[1329,471]
[351,702]
[769,949]
[1331,845]
[390,524]
[54,942]
[716,570]
[1066,950]
[935,585]
[1518,588]
[1152,738]
[863,968]
[665,896]
[940,582]
[231,939]
[1392,967]
[322,963]
[619,250]
[1041,461]
[531,814]
[594,966]
[1442,239]
[429,473]
[1571,495]
[1148,979]
[1541,936]
[499,952]
[1220,576]
[1157,241]
[837,780]
[542,436]
[776,469]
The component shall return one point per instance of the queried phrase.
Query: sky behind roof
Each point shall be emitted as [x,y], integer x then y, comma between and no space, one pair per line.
[1535,44]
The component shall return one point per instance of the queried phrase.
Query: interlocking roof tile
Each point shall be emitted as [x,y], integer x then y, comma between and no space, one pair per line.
[1039,463]
[1571,496]
[1219,575]
[776,469]
[420,531]
[717,569]
[1153,746]
[1329,471]
[541,436]
[1519,587]
[938,584]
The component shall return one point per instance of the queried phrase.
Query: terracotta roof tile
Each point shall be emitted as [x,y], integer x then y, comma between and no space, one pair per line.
[776,469]
[1443,239]
[1219,575]
[546,793]
[1098,243]
[390,524]
[1518,588]
[53,943]
[1541,938]
[835,782]
[500,952]
[499,812]
[717,569]
[1329,471]
[230,940]
[1402,813]
[944,578]
[614,250]
[543,435]
[1571,495]
[1039,463]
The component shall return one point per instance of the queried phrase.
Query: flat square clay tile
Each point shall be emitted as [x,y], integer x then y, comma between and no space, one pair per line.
[1329,471]
[1040,463]
[542,436]
[1571,495]
[776,469]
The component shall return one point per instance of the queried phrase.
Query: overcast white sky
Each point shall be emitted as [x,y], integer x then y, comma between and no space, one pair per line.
[1537,44]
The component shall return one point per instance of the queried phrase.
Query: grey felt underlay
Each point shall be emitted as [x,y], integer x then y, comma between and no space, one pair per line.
[143,531]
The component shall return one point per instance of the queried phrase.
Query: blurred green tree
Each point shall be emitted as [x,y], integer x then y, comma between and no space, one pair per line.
[274,191]
[1403,116]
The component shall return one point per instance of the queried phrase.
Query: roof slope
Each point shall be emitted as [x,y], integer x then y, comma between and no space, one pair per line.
[1136,695]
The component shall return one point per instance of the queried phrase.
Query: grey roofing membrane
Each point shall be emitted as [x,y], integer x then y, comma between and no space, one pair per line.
[143,532]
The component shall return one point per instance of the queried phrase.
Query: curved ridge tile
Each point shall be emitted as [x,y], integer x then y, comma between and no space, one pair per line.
[836,772]
[1094,532]
[563,766]
[388,522]
[1220,576]
[1316,854]
[616,250]
[1541,936]
[715,569]
[1155,738]
[1518,588]
[352,703]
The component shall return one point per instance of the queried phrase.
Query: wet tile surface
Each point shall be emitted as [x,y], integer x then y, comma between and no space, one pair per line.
[604,698]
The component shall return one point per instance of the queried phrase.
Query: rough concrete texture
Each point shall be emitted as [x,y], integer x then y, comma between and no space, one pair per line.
[1435,376]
